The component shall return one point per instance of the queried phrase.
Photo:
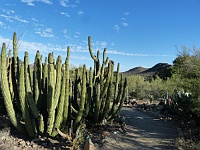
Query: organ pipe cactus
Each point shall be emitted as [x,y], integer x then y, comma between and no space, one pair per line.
[103,88]
[50,94]
[66,103]
[50,98]
[59,117]
[15,56]
[82,98]
[29,93]
[6,93]
[24,106]
[37,79]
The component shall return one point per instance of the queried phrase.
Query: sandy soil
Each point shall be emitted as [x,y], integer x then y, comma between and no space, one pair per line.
[142,132]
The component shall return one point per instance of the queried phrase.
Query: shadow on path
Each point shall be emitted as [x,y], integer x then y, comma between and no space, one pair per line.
[143,132]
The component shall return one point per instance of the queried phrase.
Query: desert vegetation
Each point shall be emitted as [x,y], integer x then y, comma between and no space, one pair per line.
[49,99]
[180,83]
[177,88]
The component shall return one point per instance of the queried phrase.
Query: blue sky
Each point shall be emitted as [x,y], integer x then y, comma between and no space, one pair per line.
[135,32]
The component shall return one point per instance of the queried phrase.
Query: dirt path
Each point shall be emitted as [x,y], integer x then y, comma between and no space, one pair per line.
[143,132]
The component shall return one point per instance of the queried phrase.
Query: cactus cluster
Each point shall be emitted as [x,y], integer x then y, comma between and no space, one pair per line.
[45,98]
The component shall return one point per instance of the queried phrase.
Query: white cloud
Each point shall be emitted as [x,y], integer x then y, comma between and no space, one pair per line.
[31,2]
[125,24]
[19,19]
[80,57]
[34,19]
[65,31]
[78,48]
[130,54]
[47,32]
[103,44]
[37,25]
[126,13]
[65,3]
[65,34]
[46,1]
[65,14]
[8,11]
[77,34]
[112,44]
[80,12]
[116,28]
[8,18]
[33,47]
[123,19]
[12,18]
[28,2]
[1,23]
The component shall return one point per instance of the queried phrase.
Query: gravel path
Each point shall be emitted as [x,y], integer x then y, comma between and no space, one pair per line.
[142,131]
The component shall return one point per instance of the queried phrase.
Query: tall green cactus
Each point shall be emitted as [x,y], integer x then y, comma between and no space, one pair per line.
[59,117]
[89,93]
[82,100]
[50,95]
[106,108]
[66,103]
[37,80]
[6,93]
[58,81]
[103,88]
[24,106]
[56,93]
[29,93]
[15,69]
[50,98]
[15,56]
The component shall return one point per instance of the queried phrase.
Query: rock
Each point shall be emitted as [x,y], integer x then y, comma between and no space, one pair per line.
[15,147]
[22,143]
[105,133]
[28,143]
[3,138]
[116,132]
[36,140]
[89,145]
[34,146]
[44,144]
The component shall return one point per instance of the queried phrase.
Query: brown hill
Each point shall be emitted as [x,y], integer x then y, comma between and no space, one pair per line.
[160,67]
[136,70]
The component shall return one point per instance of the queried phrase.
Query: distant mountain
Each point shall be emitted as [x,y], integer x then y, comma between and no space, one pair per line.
[157,69]
[136,70]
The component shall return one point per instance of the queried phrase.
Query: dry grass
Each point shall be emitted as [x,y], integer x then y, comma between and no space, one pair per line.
[187,144]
